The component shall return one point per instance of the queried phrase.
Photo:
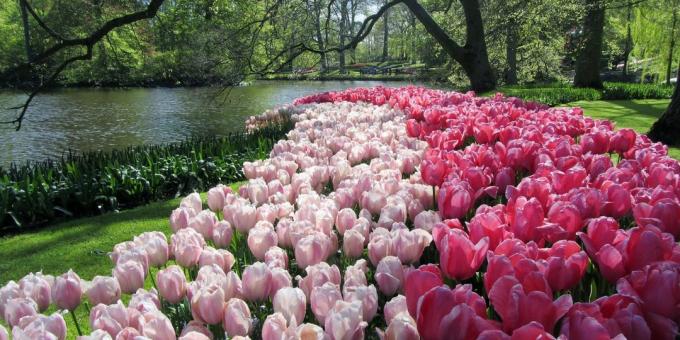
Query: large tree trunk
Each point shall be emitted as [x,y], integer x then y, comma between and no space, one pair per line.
[386,35]
[671,48]
[343,33]
[511,53]
[588,61]
[354,6]
[27,33]
[316,7]
[473,56]
[666,129]
[629,39]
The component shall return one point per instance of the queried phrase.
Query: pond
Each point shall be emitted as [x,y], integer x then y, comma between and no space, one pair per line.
[104,119]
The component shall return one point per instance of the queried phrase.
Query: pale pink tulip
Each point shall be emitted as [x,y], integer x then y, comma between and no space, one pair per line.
[402,327]
[67,291]
[290,302]
[244,217]
[192,201]
[394,307]
[276,257]
[237,319]
[158,326]
[216,197]
[40,327]
[103,289]
[261,238]
[179,218]
[220,257]
[207,304]
[156,246]
[111,319]
[345,220]
[196,327]
[426,220]
[389,275]
[257,280]
[317,275]
[222,234]
[17,308]
[130,276]
[38,289]
[274,327]
[408,245]
[312,249]
[145,301]
[9,291]
[323,298]
[204,223]
[353,244]
[280,279]
[172,284]
[367,295]
[344,321]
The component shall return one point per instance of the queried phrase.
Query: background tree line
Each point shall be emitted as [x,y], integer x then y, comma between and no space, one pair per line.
[193,42]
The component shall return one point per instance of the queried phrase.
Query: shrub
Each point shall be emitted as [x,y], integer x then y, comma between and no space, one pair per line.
[636,91]
[97,182]
[554,95]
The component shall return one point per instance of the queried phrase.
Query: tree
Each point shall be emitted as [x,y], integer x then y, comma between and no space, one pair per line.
[588,60]
[666,129]
[472,56]
[386,36]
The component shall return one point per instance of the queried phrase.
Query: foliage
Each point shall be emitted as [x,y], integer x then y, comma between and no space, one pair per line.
[96,182]
[559,93]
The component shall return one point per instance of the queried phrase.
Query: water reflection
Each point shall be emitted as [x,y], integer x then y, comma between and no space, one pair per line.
[105,119]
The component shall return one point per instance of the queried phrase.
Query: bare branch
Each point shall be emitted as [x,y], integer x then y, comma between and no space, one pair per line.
[41,23]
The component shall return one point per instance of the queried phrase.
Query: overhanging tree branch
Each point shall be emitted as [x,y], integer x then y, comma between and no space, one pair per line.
[64,44]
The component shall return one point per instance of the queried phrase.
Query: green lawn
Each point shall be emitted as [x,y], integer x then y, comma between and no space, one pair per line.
[637,114]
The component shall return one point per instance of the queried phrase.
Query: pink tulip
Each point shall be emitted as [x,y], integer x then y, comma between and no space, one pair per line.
[380,245]
[317,275]
[111,319]
[192,201]
[179,219]
[37,289]
[145,301]
[17,308]
[417,282]
[402,327]
[344,321]
[128,333]
[172,284]
[389,275]
[280,279]
[373,201]
[345,220]
[257,280]
[216,197]
[220,257]
[274,327]
[622,140]
[525,306]
[426,220]
[67,291]
[207,304]
[566,265]
[103,289]
[605,318]
[309,331]
[3,333]
[156,246]
[433,171]
[222,234]
[312,249]
[442,310]
[367,295]
[130,276]
[261,238]
[204,223]
[322,299]
[237,318]
[663,214]
[276,257]
[186,246]
[455,199]
[524,217]
[195,327]
[40,327]
[458,256]
[395,307]
[158,326]
[408,245]
[9,291]
[290,302]
[244,217]
[353,243]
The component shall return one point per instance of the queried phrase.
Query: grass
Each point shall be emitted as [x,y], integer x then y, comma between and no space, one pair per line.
[637,114]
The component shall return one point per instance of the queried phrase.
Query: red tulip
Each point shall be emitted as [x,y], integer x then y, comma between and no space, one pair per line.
[606,318]
[437,316]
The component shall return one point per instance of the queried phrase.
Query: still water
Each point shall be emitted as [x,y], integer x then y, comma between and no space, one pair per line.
[105,119]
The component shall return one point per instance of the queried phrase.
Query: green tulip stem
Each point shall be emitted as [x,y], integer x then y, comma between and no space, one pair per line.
[75,321]
[153,281]
[434,199]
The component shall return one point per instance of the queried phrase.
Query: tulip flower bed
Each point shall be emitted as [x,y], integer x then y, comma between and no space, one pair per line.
[402,214]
